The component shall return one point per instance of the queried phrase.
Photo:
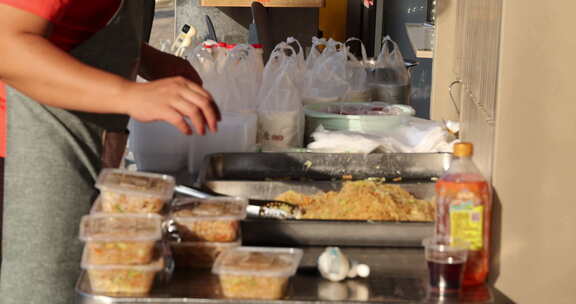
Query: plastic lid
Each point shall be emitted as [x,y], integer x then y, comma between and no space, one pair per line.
[120,227]
[463,149]
[156,265]
[363,270]
[217,208]
[258,261]
[207,244]
[136,183]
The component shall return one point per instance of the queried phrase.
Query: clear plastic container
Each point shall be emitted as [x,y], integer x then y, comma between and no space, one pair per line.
[256,272]
[209,220]
[131,279]
[236,133]
[158,146]
[123,191]
[126,239]
[97,207]
[199,254]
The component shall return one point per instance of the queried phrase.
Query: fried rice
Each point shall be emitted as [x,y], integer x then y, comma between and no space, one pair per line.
[362,200]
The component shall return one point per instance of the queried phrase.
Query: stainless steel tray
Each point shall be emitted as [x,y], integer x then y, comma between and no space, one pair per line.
[397,276]
[266,175]
[322,166]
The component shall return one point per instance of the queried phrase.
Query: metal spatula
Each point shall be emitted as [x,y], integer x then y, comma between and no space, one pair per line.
[256,207]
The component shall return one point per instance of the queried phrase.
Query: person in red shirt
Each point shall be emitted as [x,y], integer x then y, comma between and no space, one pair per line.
[69,70]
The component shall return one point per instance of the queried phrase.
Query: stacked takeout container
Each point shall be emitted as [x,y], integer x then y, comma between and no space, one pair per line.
[206,228]
[123,232]
[131,224]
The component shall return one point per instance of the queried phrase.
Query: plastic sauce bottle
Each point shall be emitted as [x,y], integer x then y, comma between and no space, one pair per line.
[463,201]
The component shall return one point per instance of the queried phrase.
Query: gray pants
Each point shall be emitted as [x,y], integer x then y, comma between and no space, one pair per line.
[52,161]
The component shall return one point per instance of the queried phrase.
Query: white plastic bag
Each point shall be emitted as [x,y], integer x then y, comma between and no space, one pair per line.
[325,78]
[390,64]
[242,77]
[356,75]
[318,46]
[388,76]
[231,73]
[209,59]
[280,114]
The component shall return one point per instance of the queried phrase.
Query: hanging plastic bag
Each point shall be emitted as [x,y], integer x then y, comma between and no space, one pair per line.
[391,64]
[357,75]
[280,114]
[243,73]
[209,59]
[318,46]
[326,80]
[389,78]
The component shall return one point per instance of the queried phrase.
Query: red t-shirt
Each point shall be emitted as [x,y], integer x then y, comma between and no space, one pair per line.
[74,21]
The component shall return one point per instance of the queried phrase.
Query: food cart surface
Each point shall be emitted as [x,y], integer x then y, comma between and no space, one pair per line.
[398,276]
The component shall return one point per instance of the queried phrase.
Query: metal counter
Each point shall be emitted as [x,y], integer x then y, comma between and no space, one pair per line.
[398,276]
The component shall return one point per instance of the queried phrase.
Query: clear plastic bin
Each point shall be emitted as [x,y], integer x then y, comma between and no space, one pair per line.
[158,146]
[256,272]
[236,133]
[123,191]
[209,220]
[199,254]
[127,239]
[130,279]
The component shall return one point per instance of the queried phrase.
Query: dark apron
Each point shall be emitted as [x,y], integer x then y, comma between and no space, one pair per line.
[53,159]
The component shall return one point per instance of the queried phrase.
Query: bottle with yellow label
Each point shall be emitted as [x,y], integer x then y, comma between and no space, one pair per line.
[463,202]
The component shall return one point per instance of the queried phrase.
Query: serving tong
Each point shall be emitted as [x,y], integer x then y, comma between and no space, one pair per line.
[256,207]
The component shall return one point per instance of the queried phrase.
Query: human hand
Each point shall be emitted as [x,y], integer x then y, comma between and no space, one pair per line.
[172,100]
[368,3]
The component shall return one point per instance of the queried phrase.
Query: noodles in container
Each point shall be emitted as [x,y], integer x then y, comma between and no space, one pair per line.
[129,279]
[120,239]
[208,220]
[364,117]
[256,272]
[123,191]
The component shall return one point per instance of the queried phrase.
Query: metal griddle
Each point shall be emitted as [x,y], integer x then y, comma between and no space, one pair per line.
[266,175]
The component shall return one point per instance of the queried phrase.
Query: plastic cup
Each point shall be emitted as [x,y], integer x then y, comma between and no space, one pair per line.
[446,258]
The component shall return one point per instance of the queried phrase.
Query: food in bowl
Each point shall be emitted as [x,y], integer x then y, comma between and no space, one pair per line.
[362,200]
[124,191]
[364,110]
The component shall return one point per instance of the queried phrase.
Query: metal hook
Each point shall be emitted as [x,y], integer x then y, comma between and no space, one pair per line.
[452,96]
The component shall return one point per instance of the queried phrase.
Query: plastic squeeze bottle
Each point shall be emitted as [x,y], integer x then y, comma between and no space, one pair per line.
[463,202]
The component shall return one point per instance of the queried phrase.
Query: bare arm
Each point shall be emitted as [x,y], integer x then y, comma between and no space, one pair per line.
[156,64]
[33,65]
